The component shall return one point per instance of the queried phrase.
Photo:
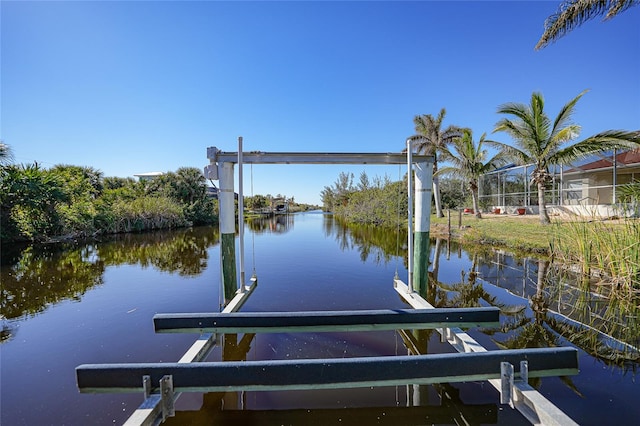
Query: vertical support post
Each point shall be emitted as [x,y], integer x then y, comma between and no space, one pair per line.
[614,199]
[166,394]
[146,385]
[410,216]
[524,371]
[561,185]
[227,230]
[526,186]
[500,200]
[504,188]
[506,383]
[417,395]
[240,216]
[480,194]
[424,180]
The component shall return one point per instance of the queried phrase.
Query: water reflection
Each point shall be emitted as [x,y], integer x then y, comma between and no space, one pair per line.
[46,275]
[36,277]
[380,245]
[451,411]
[275,224]
[562,307]
[560,304]
[103,327]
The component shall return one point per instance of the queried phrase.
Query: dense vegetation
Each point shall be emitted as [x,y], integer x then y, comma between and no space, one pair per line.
[38,204]
[380,202]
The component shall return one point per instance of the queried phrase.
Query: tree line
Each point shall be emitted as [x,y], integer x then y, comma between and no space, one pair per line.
[379,201]
[38,204]
[537,139]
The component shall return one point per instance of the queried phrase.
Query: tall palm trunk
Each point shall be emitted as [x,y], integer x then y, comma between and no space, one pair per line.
[436,196]
[542,205]
[474,198]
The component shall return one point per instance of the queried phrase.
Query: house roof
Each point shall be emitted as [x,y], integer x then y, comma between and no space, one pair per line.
[625,158]
[149,174]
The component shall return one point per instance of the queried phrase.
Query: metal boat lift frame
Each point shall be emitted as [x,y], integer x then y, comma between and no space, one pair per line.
[157,406]
[221,168]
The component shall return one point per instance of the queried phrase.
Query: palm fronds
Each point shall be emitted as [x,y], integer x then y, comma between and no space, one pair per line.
[573,13]
[602,141]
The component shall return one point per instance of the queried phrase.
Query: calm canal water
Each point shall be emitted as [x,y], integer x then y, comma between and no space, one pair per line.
[67,305]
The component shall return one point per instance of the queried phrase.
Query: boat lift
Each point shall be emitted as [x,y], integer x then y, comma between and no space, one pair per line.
[162,383]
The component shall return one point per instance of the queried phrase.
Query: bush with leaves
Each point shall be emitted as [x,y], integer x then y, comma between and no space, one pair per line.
[28,199]
[380,202]
[37,204]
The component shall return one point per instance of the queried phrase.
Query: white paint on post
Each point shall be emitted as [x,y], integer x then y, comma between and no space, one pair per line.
[240,215]
[225,199]
[410,215]
[424,172]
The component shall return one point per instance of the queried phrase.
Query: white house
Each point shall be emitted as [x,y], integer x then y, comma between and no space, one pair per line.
[148,176]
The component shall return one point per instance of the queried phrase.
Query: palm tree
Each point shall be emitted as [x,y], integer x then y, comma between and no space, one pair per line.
[6,155]
[429,139]
[573,13]
[539,141]
[469,161]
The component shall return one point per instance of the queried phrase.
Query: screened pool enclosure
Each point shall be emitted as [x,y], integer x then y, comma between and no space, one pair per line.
[587,187]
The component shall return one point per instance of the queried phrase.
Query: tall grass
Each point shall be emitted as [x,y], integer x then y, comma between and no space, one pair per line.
[609,250]
[145,213]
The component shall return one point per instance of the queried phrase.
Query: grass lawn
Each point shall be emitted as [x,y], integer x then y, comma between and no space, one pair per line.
[609,248]
[519,233]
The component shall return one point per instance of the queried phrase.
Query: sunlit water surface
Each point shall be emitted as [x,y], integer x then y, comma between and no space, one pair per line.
[93,303]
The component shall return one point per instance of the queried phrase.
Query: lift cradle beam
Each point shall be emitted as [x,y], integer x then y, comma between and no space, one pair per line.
[321,321]
[300,374]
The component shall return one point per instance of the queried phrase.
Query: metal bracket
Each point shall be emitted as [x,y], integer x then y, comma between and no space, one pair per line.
[146,385]
[507,380]
[524,371]
[212,153]
[166,395]
[211,172]
[506,387]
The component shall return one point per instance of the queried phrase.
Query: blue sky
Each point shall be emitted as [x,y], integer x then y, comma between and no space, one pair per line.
[130,87]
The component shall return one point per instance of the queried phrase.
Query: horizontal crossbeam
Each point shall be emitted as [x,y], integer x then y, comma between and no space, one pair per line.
[321,321]
[314,157]
[299,374]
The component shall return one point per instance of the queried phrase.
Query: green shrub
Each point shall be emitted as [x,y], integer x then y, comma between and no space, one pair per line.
[147,213]
[77,218]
